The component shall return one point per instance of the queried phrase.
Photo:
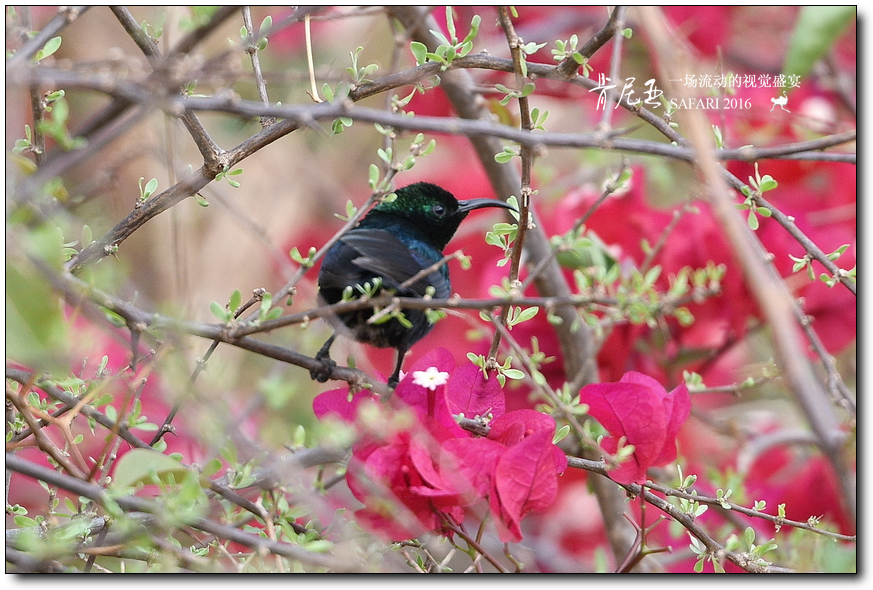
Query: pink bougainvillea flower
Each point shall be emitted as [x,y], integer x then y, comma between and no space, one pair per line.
[526,479]
[471,393]
[405,485]
[516,467]
[411,479]
[339,403]
[429,401]
[640,410]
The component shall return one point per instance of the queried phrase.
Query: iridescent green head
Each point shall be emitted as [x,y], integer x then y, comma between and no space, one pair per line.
[434,211]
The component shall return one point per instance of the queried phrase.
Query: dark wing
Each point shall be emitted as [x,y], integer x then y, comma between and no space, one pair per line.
[364,253]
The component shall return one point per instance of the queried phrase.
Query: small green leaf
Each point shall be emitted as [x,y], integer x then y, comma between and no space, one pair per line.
[753,221]
[51,46]
[150,188]
[218,311]
[266,25]
[767,183]
[266,304]
[235,300]
[835,254]
[561,434]
[211,468]
[527,314]
[513,373]
[327,91]
[87,237]
[142,466]
[419,51]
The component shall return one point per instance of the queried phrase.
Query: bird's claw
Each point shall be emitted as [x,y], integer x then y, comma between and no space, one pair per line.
[322,374]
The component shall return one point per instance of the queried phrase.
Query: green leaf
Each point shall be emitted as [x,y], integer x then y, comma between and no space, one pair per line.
[51,46]
[150,188]
[218,311]
[450,22]
[753,221]
[527,314]
[513,373]
[235,300]
[838,252]
[419,51]
[327,91]
[142,466]
[88,237]
[749,535]
[266,304]
[561,434]
[817,29]
[767,183]
[505,156]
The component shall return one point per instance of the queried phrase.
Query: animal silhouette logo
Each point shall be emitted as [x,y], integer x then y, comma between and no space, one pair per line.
[781,101]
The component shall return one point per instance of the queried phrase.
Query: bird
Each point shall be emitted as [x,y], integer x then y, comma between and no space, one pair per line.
[393,243]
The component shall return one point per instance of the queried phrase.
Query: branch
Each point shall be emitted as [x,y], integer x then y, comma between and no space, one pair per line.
[136,504]
[65,16]
[71,402]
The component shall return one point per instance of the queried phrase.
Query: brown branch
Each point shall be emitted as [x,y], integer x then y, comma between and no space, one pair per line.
[71,402]
[210,150]
[43,442]
[136,504]
[569,67]
[515,47]
[65,16]
[616,20]
[252,50]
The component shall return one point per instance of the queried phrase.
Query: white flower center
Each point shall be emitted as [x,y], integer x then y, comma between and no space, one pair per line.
[431,378]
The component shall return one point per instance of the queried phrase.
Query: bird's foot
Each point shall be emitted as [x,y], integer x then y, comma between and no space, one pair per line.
[322,374]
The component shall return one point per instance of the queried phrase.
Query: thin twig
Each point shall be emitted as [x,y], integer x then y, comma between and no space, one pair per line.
[252,49]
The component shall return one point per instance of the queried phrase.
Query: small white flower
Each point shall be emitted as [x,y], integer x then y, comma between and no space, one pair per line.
[431,378]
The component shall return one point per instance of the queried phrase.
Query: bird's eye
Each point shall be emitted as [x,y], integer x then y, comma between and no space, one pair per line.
[438,210]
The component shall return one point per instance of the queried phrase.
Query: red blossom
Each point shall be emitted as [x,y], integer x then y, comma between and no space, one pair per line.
[641,411]
[411,478]
[526,479]
[471,393]
[405,486]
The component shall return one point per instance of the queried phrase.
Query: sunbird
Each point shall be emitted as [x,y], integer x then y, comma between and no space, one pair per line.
[393,243]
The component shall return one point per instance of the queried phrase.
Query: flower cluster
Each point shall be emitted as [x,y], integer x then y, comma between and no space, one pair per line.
[416,470]
[640,411]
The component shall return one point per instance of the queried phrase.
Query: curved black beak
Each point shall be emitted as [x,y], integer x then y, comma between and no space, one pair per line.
[469,205]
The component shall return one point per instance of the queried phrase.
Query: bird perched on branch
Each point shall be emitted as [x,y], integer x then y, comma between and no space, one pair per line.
[395,242]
